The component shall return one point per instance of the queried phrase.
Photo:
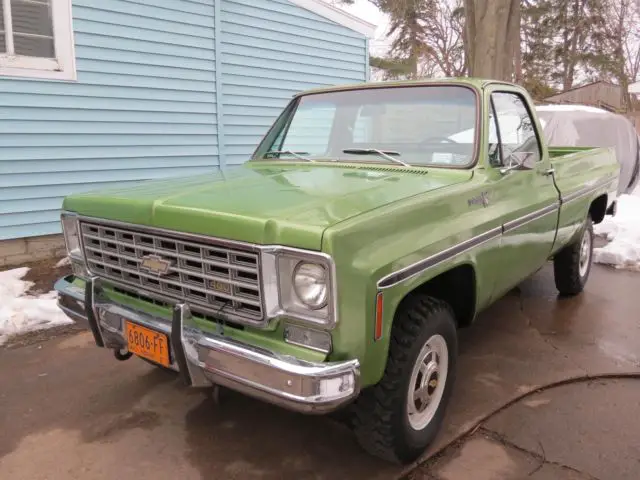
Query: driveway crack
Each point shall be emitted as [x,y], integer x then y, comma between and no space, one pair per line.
[545,338]
[541,457]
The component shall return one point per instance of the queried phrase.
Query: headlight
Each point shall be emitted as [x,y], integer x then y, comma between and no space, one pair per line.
[300,285]
[71,237]
[310,284]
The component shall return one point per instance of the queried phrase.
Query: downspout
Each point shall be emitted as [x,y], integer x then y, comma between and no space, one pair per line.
[217,28]
[367,67]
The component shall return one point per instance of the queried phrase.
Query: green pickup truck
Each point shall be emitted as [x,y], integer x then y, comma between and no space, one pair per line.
[332,270]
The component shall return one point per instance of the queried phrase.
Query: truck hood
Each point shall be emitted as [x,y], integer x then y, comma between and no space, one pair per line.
[263,203]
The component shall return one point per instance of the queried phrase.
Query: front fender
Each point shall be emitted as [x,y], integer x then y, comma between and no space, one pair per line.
[392,296]
[446,230]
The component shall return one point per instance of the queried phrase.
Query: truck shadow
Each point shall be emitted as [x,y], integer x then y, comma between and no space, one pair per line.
[244,438]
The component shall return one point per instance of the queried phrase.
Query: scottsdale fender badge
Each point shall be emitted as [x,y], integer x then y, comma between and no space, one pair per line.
[482,199]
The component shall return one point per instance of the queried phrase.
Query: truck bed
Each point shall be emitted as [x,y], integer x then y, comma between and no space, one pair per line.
[581,174]
[555,152]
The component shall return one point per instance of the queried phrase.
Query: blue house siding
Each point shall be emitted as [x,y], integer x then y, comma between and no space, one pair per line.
[154,98]
[271,49]
[143,107]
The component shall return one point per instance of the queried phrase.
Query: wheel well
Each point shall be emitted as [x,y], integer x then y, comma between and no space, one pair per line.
[598,209]
[457,287]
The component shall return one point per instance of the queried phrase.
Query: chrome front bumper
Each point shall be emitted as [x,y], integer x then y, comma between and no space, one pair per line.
[204,359]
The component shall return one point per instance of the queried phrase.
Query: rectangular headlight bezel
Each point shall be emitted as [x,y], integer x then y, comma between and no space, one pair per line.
[71,234]
[278,264]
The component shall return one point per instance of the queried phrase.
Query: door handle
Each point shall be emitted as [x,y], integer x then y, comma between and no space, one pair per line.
[549,171]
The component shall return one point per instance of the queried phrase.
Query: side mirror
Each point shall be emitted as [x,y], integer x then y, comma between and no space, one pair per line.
[519,161]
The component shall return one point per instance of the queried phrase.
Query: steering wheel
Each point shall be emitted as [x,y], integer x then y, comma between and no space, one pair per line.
[436,139]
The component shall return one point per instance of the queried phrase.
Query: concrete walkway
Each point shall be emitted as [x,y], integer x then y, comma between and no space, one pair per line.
[581,431]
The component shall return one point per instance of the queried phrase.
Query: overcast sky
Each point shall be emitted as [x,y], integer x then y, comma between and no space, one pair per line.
[370,13]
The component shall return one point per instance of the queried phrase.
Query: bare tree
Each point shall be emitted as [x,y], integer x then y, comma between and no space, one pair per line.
[409,28]
[426,39]
[623,28]
[445,40]
[492,36]
[580,37]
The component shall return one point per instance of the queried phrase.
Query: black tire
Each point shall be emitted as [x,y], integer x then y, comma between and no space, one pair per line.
[567,263]
[381,418]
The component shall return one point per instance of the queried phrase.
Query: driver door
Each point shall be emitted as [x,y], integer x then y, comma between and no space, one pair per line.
[527,196]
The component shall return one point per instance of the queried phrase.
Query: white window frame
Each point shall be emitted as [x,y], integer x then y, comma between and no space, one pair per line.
[63,67]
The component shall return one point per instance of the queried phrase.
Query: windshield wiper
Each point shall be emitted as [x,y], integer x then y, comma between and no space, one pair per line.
[383,153]
[299,155]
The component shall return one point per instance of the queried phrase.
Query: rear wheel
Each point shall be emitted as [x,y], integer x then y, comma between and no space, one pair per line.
[398,418]
[572,265]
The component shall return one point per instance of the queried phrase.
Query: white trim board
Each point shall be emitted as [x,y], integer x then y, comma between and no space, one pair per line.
[63,67]
[338,15]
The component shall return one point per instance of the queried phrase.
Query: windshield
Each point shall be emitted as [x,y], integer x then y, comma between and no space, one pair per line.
[425,125]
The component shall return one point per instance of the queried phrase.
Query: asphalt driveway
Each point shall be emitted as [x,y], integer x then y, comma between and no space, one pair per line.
[68,410]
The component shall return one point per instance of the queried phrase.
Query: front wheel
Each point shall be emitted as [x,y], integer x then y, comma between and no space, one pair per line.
[398,418]
[572,265]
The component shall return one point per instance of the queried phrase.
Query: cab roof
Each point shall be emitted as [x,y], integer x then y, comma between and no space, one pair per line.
[476,83]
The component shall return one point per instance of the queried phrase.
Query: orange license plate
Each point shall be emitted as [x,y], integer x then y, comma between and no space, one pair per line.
[147,343]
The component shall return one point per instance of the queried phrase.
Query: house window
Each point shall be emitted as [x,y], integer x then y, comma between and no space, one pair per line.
[36,39]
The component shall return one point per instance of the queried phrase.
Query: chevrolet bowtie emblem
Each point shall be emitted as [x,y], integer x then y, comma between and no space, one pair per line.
[155,264]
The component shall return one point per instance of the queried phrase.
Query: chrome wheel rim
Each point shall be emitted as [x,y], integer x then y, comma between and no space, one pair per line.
[427,383]
[585,253]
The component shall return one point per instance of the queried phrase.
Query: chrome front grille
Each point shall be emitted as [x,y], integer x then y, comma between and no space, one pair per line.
[219,278]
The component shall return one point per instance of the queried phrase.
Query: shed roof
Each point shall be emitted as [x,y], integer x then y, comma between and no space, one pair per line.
[571,107]
[337,15]
[584,85]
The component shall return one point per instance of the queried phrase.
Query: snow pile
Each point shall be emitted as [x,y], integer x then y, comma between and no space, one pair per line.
[65,261]
[21,312]
[623,234]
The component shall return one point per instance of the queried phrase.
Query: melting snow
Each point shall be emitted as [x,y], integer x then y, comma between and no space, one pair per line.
[21,312]
[63,263]
[623,234]
[569,108]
